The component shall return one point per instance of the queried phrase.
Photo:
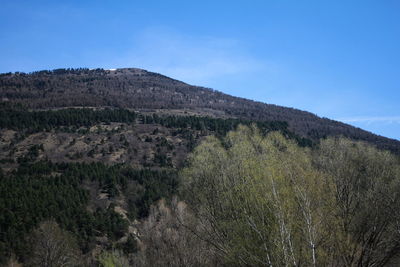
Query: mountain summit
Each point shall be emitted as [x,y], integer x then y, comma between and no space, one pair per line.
[138,89]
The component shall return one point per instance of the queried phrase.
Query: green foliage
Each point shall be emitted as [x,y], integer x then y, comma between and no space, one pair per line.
[31,195]
[18,118]
[261,196]
[217,126]
[113,259]
[130,246]
[264,200]
[367,186]
[110,223]
[41,191]
[151,185]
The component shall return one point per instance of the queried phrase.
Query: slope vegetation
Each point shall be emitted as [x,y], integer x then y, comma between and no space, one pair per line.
[142,90]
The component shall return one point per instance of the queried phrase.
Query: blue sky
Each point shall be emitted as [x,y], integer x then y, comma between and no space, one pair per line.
[337,59]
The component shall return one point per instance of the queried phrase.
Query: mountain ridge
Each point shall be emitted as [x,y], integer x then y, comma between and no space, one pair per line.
[139,89]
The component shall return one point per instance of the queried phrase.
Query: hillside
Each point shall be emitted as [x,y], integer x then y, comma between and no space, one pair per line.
[146,91]
[99,154]
[94,171]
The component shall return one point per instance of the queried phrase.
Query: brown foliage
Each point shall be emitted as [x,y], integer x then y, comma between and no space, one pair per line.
[166,238]
[52,246]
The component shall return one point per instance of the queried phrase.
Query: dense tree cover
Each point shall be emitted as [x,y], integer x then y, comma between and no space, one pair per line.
[17,118]
[31,195]
[60,71]
[41,191]
[36,121]
[154,184]
[218,126]
[264,201]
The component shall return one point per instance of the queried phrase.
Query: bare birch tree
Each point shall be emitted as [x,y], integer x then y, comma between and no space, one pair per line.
[260,200]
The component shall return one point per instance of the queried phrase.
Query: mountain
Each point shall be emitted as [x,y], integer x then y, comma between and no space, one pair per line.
[95,152]
[142,90]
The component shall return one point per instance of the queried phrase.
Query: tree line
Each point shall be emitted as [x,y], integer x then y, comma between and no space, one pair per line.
[18,118]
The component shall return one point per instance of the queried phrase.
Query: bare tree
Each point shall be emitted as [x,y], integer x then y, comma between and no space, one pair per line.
[165,239]
[53,247]
[367,186]
[13,262]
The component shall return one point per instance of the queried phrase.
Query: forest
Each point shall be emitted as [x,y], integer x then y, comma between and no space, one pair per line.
[44,191]
[17,117]
[248,198]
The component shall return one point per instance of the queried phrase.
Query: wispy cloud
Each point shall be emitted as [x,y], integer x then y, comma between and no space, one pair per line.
[372,119]
[193,59]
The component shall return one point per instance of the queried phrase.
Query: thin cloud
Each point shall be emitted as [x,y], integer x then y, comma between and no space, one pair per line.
[370,120]
[192,59]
